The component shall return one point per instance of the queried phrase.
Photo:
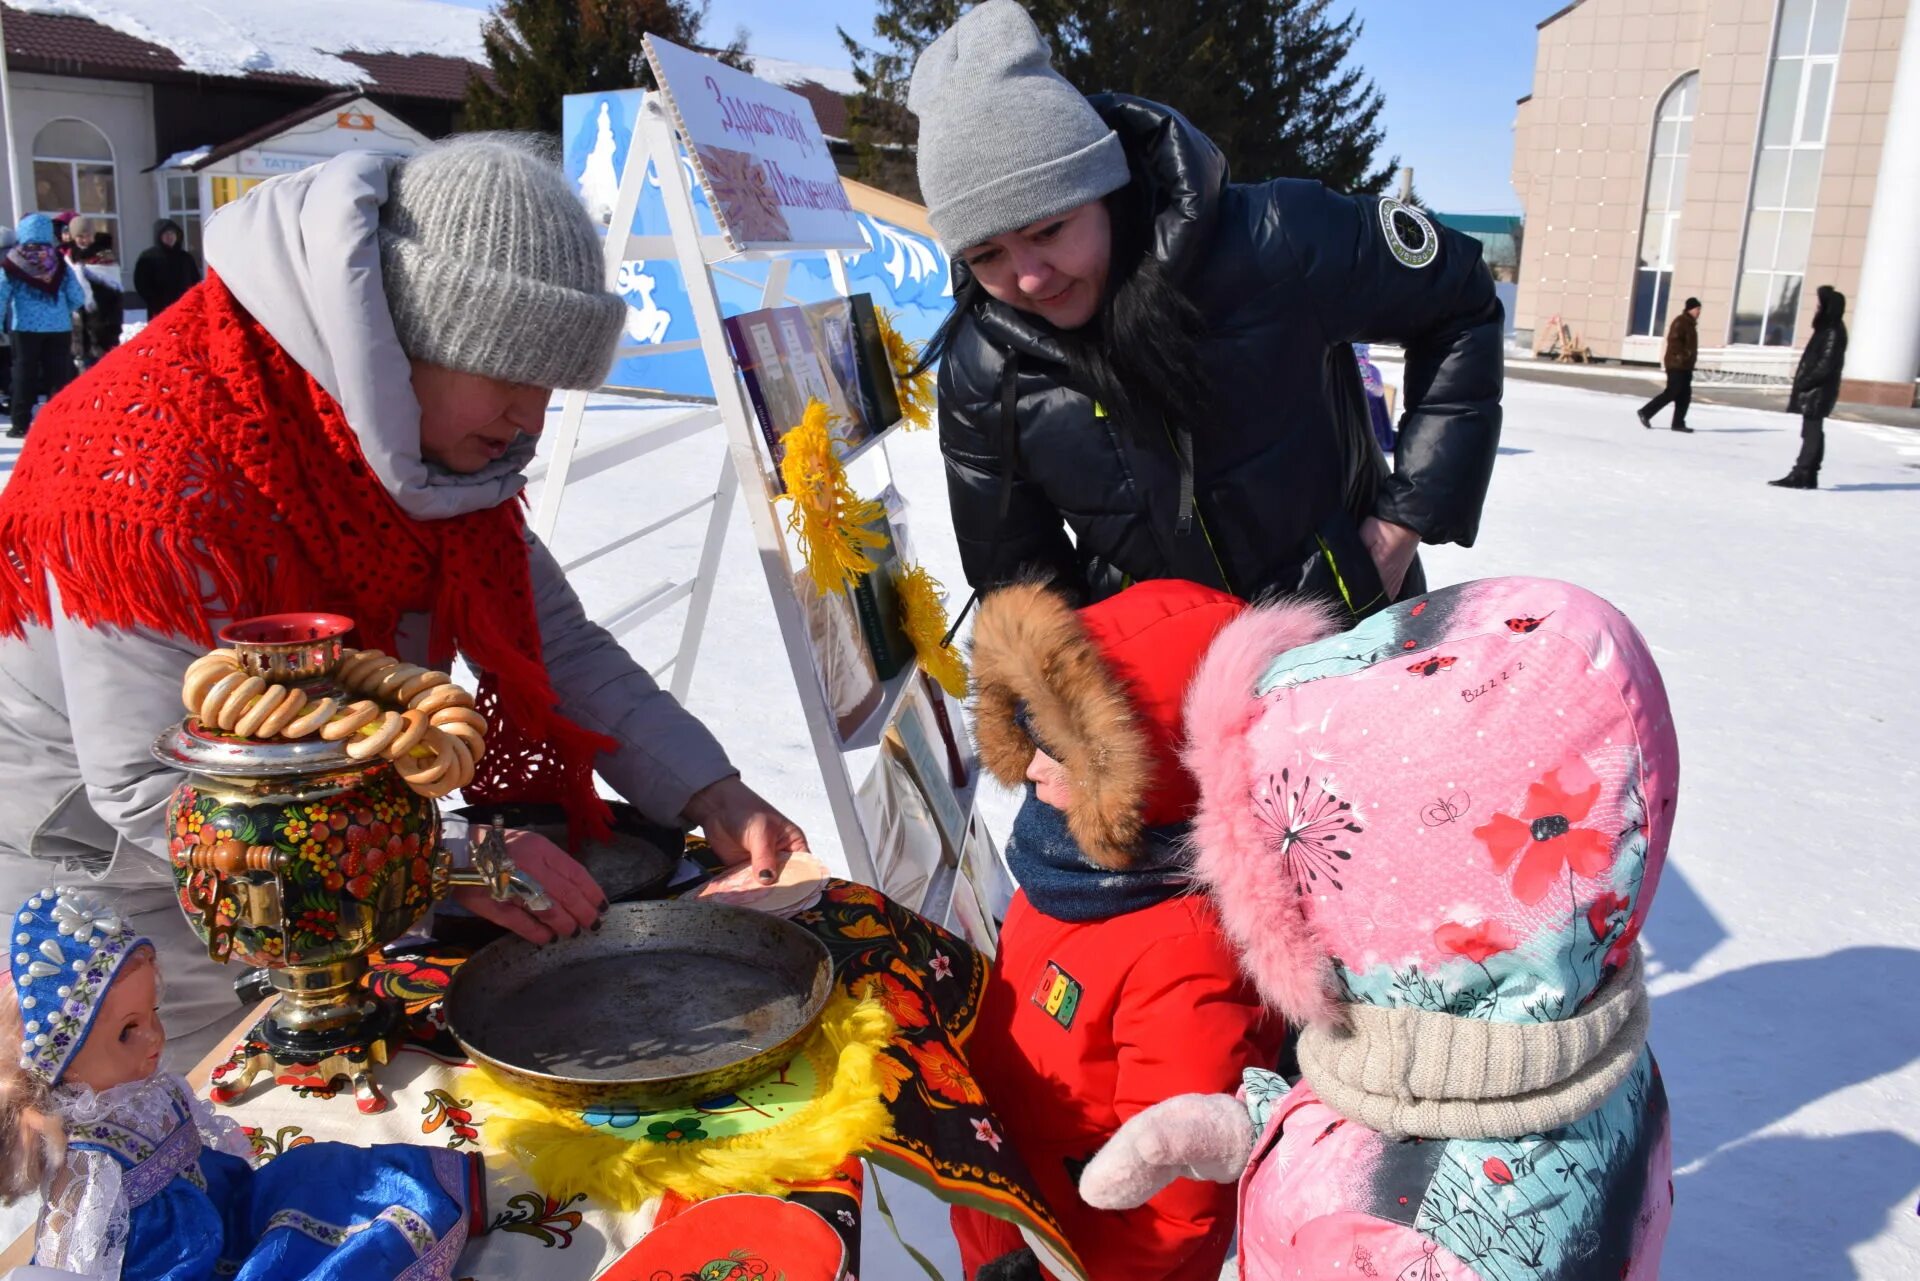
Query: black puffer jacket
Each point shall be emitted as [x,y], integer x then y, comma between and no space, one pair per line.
[1816,383]
[1287,275]
[163,275]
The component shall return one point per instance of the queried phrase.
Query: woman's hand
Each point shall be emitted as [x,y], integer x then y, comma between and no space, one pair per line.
[577,899]
[1392,547]
[743,828]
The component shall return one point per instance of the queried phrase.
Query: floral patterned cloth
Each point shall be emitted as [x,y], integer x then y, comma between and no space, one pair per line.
[946,1136]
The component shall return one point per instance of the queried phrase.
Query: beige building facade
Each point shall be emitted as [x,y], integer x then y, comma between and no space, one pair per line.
[1742,152]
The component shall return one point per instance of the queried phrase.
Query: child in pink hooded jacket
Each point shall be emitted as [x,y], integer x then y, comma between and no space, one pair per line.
[1434,839]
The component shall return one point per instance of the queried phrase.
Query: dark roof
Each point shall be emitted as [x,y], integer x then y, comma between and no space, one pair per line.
[829,107]
[1558,14]
[274,128]
[65,46]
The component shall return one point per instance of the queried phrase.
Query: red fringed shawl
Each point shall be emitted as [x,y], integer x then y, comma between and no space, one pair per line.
[198,473]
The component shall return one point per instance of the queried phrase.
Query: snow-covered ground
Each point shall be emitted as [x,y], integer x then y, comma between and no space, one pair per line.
[1787,929]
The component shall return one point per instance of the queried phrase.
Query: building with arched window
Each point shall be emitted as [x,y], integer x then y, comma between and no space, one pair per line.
[1739,151]
[127,131]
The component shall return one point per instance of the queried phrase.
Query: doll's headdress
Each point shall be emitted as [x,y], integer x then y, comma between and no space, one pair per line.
[68,948]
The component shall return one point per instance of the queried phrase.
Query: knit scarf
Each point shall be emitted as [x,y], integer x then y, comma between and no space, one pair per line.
[199,474]
[1061,883]
[37,266]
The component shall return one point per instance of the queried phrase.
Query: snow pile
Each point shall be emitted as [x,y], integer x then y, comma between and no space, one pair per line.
[239,37]
[780,71]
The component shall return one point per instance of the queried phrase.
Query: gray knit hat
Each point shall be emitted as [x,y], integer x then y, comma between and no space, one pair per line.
[492,266]
[1004,139]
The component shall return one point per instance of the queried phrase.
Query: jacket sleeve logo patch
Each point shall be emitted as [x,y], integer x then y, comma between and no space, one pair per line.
[1410,234]
[1058,994]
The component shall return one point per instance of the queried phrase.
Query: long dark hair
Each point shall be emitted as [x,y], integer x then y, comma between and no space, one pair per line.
[1138,357]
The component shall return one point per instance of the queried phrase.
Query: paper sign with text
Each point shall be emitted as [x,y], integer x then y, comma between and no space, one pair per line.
[759,155]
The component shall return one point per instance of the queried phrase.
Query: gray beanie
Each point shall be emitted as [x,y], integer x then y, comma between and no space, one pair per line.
[1004,139]
[492,266]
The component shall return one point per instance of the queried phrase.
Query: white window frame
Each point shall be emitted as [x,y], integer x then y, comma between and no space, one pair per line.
[1684,94]
[73,163]
[1793,149]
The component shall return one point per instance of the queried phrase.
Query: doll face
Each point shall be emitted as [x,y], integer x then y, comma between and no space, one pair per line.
[127,1038]
[468,420]
[1051,782]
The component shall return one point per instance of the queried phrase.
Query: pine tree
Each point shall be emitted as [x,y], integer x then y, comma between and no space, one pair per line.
[1267,80]
[542,50]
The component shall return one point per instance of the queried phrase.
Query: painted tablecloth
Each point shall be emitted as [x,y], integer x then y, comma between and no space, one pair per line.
[946,1136]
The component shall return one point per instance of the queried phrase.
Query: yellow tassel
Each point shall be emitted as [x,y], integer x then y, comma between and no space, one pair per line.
[829,518]
[916,391]
[563,1156]
[925,622]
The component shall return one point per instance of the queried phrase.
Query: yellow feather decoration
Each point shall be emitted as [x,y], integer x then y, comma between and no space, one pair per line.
[916,391]
[564,1156]
[828,517]
[925,622]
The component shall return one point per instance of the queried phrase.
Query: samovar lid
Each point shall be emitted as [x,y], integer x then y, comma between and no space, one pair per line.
[189,747]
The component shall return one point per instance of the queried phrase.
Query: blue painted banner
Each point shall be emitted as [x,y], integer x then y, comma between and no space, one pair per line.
[907,273]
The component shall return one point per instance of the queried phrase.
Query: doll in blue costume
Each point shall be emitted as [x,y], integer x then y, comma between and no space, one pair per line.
[141,1180]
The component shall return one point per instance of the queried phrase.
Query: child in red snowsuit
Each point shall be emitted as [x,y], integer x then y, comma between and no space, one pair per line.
[1114,986]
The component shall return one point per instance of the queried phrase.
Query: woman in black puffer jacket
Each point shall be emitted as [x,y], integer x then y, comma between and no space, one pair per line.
[1816,387]
[1147,373]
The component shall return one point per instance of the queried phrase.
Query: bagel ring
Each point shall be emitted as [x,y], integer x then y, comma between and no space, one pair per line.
[346,672]
[367,746]
[350,720]
[236,704]
[474,741]
[420,685]
[283,715]
[462,768]
[416,729]
[199,682]
[220,660]
[459,715]
[257,712]
[216,698]
[425,773]
[366,675]
[312,719]
[458,774]
[441,696]
[389,681]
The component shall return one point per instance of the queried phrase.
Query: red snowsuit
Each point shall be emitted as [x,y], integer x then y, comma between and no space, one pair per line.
[1085,1024]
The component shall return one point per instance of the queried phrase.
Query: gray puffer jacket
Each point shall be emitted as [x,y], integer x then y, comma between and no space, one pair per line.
[80,706]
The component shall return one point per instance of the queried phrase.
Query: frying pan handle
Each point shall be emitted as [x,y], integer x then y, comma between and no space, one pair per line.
[493,869]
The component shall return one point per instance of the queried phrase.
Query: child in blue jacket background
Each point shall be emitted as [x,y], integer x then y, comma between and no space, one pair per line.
[38,295]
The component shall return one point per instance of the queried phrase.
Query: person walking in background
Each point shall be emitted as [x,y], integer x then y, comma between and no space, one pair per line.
[38,295]
[166,271]
[1816,387]
[97,330]
[1683,350]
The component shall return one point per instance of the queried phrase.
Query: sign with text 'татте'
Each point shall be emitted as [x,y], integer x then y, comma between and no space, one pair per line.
[759,154]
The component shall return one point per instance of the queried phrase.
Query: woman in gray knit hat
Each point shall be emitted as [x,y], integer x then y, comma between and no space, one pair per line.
[338,418]
[1147,372]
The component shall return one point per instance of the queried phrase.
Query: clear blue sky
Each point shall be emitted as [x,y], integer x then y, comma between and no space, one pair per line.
[1450,72]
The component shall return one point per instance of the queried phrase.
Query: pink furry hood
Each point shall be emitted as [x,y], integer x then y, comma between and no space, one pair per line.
[1262,913]
[1462,805]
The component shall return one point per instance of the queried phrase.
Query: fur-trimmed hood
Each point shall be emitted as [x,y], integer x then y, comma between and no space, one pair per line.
[1461,806]
[1102,690]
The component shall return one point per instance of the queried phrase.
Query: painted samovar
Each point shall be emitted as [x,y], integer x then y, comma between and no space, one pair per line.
[301,857]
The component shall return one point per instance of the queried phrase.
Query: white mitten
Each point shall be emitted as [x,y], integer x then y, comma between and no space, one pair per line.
[1191,1136]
